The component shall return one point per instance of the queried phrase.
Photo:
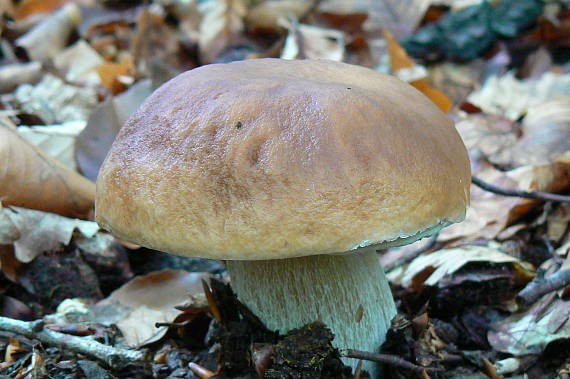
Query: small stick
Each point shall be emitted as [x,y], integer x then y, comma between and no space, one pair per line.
[109,355]
[536,195]
[391,360]
[540,286]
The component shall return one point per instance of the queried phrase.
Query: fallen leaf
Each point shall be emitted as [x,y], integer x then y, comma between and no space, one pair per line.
[222,24]
[12,75]
[95,140]
[400,17]
[50,36]
[529,332]
[77,63]
[31,179]
[33,232]
[456,80]
[401,63]
[553,177]
[312,42]
[57,141]
[266,15]
[510,97]
[146,300]
[445,262]
[488,213]
[109,72]
[557,223]
[546,133]
[55,101]
[488,136]
[29,7]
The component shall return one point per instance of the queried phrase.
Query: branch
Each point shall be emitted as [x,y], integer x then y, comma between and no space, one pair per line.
[541,286]
[391,360]
[536,195]
[111,356]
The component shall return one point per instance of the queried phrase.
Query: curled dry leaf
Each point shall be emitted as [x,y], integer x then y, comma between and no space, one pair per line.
[29,7]
[29,178]
[51,35]
[488,213]
[109,72]
[553,177]
[104,123]
[529,332]
[312,42]
[57,141]
[13,75]
[266,15]
[488,136]
[546,133]
[222,24]
[33,232]
[506,95]
[401,64]
[55,101]
[431,268]
[400,17]
[146,300]
[77,63]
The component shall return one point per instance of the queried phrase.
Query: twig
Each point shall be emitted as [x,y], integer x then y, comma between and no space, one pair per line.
[111,356]
[391,360]
[536,195]
[541,286]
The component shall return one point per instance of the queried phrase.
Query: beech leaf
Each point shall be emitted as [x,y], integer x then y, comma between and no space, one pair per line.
[30,178]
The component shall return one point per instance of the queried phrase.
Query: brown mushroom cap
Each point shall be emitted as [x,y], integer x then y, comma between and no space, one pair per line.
[268,158]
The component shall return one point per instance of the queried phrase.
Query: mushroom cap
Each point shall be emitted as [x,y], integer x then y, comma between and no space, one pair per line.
[270,158]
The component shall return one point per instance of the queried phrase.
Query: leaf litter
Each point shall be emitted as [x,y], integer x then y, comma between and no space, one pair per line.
[73,71]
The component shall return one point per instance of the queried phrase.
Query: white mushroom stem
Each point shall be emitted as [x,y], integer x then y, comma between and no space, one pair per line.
[349,293]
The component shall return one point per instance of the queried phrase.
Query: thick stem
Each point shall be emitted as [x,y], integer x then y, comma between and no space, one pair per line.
[349,293]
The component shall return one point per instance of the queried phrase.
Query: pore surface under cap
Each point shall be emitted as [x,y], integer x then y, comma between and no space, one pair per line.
[269,158]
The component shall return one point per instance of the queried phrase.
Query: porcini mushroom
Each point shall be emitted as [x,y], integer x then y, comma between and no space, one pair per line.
[295,172]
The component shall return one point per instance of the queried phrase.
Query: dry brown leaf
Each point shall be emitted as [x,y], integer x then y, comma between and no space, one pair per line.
[33,232]
[29,7]
[529,332]
[457,80]
[557,223]
[266,15]
[51,35]
[222,24]
[57,141]
[109,72]
[400,17]
[488,136]
[488,213]
[8,262]
[429,269]
[546,133]
[77,63]
[55,101]
[399,60]
[312,42]
[553,177]
[138,305]
[13,75]
[31,179]
[104,123]
[507,96]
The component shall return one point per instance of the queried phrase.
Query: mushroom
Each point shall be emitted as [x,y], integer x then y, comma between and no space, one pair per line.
[296,172]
